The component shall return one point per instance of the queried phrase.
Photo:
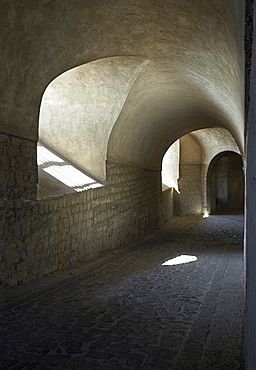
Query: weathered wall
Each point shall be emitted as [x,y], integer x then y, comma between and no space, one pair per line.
[194,78]
[222,183]
[214,141]
[198,189]
[18,168]
[250,206]
[80,106]
[189,201]
[236,182]
[38,237]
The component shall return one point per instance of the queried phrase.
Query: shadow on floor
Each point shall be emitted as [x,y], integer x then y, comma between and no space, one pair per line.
[128,311]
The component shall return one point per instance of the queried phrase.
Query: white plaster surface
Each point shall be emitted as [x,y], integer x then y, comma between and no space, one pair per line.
[79,109]
[214,141]
[170,166]
[194,78]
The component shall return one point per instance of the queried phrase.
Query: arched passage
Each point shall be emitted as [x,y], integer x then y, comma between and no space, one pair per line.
[53,37]
[186,164]
[192,43]
[192,77]
[162,107]
[225,182]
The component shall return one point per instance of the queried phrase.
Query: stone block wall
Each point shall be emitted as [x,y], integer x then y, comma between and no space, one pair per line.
[39,237]
[189,201]
[18,168]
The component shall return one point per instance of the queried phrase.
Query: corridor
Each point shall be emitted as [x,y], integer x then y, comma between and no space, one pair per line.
[129,310]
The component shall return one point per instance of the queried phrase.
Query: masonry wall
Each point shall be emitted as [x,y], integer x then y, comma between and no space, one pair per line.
[39,237]
[190,199]
[18,168]
[236,183]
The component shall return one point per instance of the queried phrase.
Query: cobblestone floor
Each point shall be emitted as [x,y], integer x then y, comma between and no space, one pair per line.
[126,310]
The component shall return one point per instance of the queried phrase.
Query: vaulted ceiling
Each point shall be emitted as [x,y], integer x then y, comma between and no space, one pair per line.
[125,79]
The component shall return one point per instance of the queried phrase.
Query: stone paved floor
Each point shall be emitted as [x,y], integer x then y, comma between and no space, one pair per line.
[126,310]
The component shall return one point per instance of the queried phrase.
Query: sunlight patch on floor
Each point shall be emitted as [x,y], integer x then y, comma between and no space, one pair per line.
[180,260]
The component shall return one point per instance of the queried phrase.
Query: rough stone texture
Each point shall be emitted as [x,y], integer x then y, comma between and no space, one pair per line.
[248,41]
[189,201]
[18,168]
[200,148]
[194,79]
[125,310]
[213,141]
[250,230]
[236,182]
[89,96]
[38,237]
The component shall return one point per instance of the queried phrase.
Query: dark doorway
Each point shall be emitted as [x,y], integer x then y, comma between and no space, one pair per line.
[225,183]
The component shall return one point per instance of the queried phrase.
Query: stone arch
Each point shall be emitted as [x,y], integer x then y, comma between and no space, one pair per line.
[162,107]
[53,37]
[80,107]
[225,182]
[186,165]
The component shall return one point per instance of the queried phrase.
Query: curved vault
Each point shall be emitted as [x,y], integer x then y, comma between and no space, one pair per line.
[80,107]
[163,105]
[184,75]
[214,141]
[211,141]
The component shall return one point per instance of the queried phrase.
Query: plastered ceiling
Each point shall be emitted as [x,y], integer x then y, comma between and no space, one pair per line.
[149,72]
[214,141]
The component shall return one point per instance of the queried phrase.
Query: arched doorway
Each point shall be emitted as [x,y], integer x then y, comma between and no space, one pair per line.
[225,183]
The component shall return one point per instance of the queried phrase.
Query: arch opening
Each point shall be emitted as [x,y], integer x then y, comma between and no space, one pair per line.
[185,167]
[225,183]
[78,111]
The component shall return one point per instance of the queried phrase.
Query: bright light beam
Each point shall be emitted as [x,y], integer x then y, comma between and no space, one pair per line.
[64,172]
[44,155]
[168,181]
